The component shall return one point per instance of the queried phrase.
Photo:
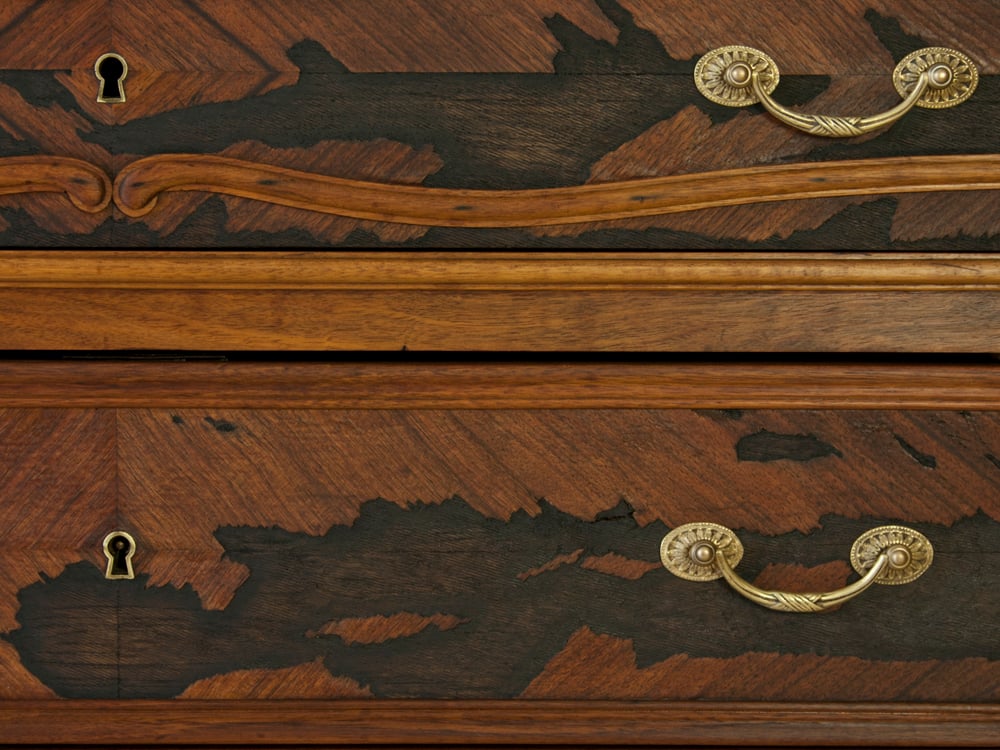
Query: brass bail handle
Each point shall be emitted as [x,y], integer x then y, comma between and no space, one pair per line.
[706,551]
[933,77]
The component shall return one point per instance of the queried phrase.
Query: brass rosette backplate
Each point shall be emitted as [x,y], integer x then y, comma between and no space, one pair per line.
[679,550]
[952,76]
[910,554]
[723,75]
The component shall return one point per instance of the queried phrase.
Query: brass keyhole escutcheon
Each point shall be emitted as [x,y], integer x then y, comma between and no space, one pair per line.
[111,71]
[119,547]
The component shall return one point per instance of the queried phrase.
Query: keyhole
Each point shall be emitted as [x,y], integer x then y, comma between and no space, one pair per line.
[111,71]
[119,546]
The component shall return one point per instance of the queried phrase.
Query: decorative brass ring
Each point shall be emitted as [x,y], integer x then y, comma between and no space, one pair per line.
[933,77]
[888,555]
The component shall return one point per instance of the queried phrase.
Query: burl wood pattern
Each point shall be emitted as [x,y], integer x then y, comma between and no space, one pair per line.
[488,95]
[294,553]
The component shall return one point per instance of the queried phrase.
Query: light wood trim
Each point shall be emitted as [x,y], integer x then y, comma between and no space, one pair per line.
[99,384]
[86,186]
[386,722]
[515,320]
[139,185]
[621,271]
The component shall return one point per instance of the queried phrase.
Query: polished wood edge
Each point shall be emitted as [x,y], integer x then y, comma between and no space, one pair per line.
[96,384]
[496,722]
[139,185]
[86,186]
[468,271]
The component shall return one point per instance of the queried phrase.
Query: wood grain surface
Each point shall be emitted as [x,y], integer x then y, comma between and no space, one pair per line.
[515,633]
[505,271]
[57,500]
[500,539]
[461,553]
[499,386]
[478,723]
[493,96]
[485,302]
[502,321]
[572,674]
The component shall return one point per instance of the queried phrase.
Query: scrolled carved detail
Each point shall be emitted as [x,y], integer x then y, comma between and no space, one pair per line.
[140,184]
[86,185]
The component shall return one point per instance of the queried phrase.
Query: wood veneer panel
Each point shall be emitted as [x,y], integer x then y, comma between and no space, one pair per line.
[490,722]
[601,666]
[220,79]
[55,34]
[58,498]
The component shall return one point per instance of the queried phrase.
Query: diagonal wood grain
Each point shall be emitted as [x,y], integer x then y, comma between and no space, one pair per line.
[593,666]
[308,471]
[366,35]
[310,680]
[54,34]
[808,38]
[924,216]
[16,682]
[57,495]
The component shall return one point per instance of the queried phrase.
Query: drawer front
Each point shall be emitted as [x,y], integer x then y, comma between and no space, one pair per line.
[393,548]
[372,107]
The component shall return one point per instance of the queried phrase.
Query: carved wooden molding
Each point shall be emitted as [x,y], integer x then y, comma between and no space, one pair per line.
[441,301]
[87,186]
[468,723]
[140,184]
[498,271]
[616,385]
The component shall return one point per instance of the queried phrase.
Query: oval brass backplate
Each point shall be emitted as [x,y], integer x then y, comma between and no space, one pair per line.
[955,76]
[910,553]
[679,550]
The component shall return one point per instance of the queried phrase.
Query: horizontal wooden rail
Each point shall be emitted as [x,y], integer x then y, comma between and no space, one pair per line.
[469,723]
[140,184]
[352,385]
[485,271]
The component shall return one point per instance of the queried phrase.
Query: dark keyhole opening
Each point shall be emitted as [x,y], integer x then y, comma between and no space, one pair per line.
[119,547]
[111,71]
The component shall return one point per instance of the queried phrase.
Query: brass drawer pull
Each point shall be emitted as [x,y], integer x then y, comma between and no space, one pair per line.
[933,77]
[706,551]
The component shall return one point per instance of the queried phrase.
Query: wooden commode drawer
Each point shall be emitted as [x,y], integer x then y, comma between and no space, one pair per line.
[346,536]
[291,454]
[558,123]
